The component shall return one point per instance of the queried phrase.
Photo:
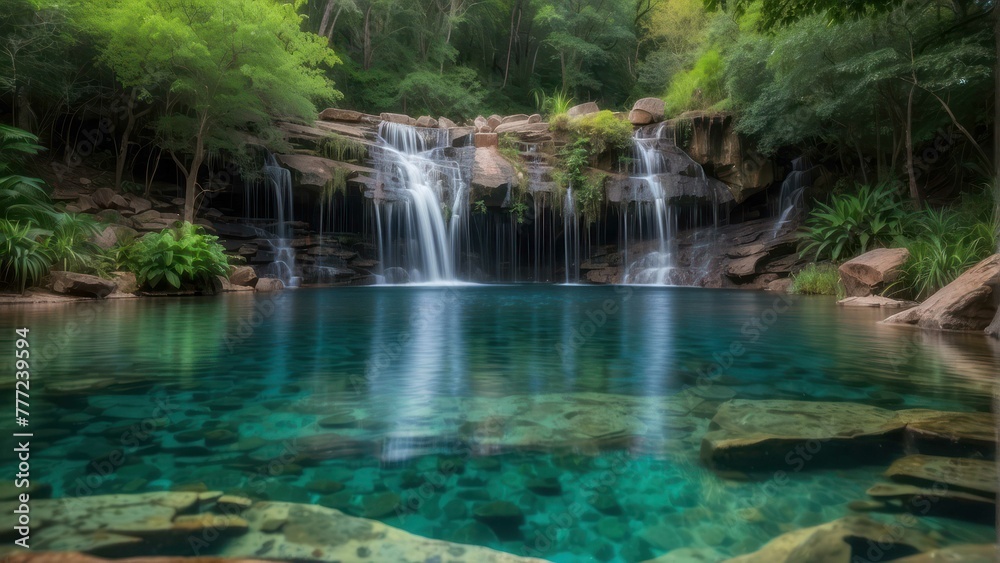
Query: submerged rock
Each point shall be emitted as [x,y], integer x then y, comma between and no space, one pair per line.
[977,476]
[504,518]
[983,553]
[779,433]
[845,540]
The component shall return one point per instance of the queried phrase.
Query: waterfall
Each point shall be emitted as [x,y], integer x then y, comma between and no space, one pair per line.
[571,238]
[790,199]
[422,212]
[280,180]
[653,212]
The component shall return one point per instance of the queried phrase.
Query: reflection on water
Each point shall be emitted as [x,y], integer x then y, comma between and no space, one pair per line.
[406,377]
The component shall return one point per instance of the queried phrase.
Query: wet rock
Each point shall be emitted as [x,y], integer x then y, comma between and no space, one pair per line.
[455,510]
[835,542]
[976,476]
[689,555]
[951,433]
[983,553]
[606,504]
[762,433]
[613,529]
[325,486]
[81,285]
[474,533]
[269,285]
[504,518]
[426,121]
[381,505]
[233,504]
[878,301]
[339,420]
[873,271]
[36,490]
[397,118]
[968,303]
[445,123]
[544,486]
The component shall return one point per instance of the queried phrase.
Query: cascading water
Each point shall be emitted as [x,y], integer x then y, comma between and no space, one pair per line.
[280,179]
[653,210]
[571,238]
[423,207]
[790,200]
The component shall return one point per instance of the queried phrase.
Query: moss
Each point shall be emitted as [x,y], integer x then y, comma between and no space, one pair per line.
[340,148]
[604,131]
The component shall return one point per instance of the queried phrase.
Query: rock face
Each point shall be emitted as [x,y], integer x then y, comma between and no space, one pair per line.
[712,141]
[870,273]
[398,118]
[491,170]
[968,303]
[81,285]
[842,541]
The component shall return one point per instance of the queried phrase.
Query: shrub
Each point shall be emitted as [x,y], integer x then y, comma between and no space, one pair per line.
[23,260]
[70,245]
[817,279]
[182,254]
[603,130]
[699,88]
[854,223]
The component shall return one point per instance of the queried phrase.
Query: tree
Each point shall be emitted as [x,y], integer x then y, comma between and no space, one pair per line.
[217,72]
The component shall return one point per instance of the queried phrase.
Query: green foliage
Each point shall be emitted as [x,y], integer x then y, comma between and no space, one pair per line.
[702,87]
[817,279]
[854,223]
[945,243]
[603,130]
[553,104]
[23,260]
[69,245]
[520,211]
[178,255]
[590,195]
[456,93]
[340,148]
[479,206]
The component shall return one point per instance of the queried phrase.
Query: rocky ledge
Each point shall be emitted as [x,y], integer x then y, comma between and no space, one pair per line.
[968,303]
[755,435]
[208,523]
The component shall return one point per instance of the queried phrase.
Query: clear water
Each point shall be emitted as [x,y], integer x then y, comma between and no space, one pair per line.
[403,366]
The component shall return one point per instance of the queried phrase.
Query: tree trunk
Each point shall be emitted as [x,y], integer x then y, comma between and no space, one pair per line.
[324,30]
[914,191]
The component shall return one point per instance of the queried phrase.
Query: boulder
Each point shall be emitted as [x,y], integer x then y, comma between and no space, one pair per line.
[780,285]
[873,271]
[106,238]
[336,114]
[244,276]
[502,517]
[486,140]
[968,303]
[85,204]
[493,122]
[445,123]
[106,198]
[654,107]
[535,118]
[639,117]
[397,118]
[842,541]
[426,121]
[460,135]
[975,476]
[480,122]
[269,284]
[517,118]
[583,109]
[876,301]
[138,204]
[125,282]
[82,285]
[490,170]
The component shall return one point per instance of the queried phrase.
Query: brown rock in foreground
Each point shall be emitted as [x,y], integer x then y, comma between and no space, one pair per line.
[842,541]
[968,303]
[81,285]
[870,273]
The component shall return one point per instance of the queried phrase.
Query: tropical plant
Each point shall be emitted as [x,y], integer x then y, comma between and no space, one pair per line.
[69,245]
[853,223]
[817,279]
[556,103]
[177,255]
[23,260]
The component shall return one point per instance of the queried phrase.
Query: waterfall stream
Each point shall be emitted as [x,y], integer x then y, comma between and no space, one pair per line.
[790,200]
[653,213]
[423,209]
[280,180]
